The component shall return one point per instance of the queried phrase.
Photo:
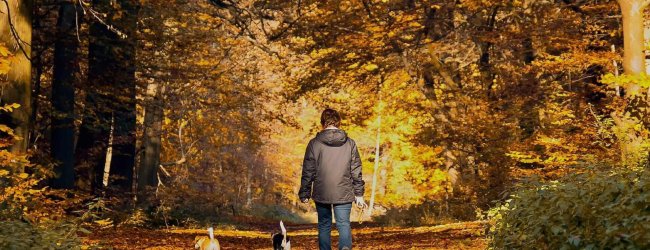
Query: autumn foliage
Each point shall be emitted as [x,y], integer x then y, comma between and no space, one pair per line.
[142,113]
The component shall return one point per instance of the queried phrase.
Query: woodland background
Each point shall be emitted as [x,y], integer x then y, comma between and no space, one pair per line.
[187,113]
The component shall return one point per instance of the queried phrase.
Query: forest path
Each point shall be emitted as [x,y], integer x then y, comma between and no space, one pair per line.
[465,235]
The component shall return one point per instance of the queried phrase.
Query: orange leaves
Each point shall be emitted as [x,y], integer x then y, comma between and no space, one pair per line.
[573,61]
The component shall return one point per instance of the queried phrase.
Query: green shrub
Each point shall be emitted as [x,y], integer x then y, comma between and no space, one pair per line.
[21,235]
[275,213]
[599,210]
[429,213]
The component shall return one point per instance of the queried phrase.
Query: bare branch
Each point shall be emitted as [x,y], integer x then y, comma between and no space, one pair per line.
[14,33]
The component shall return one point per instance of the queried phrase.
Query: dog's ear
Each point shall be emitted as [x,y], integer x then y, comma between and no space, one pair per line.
[198,243]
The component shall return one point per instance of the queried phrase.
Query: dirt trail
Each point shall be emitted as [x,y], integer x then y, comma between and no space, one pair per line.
[467,235]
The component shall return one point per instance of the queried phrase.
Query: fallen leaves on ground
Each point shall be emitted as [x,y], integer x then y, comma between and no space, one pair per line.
[466,235]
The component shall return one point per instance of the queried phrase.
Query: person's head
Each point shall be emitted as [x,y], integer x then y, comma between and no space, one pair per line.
[330,117]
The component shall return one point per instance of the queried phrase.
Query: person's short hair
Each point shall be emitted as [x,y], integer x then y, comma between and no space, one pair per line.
[330,117]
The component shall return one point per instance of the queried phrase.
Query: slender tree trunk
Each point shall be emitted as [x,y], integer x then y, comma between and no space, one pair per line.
[96,122]
[37,46]
[633,64]
[109,155]
[110,92]
[249,190]
[150,162]
[123,162]
[94,132]
[485,65]
[376,167]
[16,34]
[66,68]
[633,55]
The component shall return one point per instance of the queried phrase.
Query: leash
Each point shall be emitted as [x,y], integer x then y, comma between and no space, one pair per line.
[360,217]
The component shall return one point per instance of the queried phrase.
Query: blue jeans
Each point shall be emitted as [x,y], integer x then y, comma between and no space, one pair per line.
[342,216]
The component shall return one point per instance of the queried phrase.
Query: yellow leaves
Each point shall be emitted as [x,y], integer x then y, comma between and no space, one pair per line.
[370,67]
[375,28]
[203,62]
[4,52]
[170,22]
[183,123]
[639,127]
[545,140]
[576,60]
[104,223]
[407,37]
[18,189]
[301,41]
[626,80]
[415,25]
[6,129]
[320,53]
[523,157]
[204,17]
[10,107]
[5,60]
[4,67]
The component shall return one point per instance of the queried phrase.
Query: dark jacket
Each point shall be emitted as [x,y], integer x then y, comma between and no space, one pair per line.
[332,165]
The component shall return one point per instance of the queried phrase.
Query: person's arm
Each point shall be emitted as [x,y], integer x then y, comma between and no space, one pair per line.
[308,173]
[355,167]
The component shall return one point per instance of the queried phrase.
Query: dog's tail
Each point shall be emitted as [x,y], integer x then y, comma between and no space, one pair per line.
[211,232]
[284,235]
[284,230]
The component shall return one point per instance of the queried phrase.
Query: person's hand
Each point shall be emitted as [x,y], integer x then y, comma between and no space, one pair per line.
[359,201]
[305,200]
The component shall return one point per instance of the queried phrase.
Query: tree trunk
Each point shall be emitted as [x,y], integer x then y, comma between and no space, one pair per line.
[94,131]
[633,64]
[376,167]
[111,92]
[633,55]
[66,68]
[96,122]
[485,65]
[249,190]
[123,162]
[16,34]
[150,162]
[109,155]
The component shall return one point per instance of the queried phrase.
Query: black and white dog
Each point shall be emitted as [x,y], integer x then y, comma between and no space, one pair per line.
[281,240]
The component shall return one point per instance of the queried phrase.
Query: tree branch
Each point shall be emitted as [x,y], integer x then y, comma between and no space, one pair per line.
[14,33]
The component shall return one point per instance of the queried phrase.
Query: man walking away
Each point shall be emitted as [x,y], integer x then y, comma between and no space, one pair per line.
[331,176]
